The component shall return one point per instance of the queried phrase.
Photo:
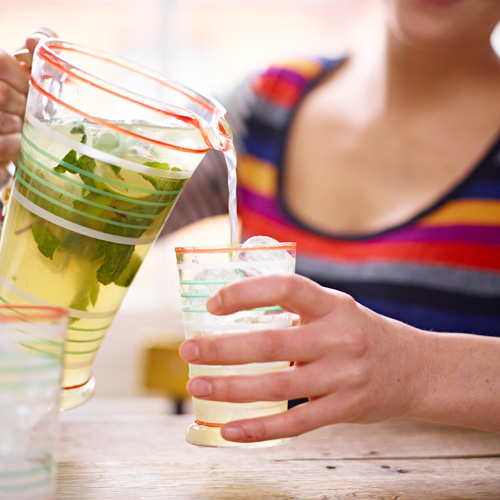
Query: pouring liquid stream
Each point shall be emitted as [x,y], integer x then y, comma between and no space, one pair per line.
[230,157]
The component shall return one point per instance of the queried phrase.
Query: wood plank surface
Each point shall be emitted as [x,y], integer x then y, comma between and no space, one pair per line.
[146,457]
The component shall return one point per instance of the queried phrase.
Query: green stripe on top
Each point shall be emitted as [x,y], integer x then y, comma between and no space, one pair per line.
[81,212]
[71,167]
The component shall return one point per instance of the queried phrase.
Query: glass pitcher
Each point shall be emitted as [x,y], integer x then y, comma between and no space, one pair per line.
[107,147]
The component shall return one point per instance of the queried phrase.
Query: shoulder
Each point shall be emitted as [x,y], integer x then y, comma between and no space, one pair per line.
[280,82]
[269,94]
[283,83]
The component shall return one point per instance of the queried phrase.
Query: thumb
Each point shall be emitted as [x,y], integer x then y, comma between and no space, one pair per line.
[35,36]
[24,55]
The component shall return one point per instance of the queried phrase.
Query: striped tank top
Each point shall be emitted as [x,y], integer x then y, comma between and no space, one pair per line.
[438,271]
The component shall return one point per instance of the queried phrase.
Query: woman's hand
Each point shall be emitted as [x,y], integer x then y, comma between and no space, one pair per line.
[352,364]
[14,78]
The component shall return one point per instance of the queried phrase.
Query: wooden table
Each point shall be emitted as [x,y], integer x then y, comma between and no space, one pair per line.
[145,457]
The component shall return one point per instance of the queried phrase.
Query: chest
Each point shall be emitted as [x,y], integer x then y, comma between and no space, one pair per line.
[356,180]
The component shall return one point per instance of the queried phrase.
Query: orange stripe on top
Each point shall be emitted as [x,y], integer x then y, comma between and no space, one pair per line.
[308,68]
[470,211]
[471,255]
[258,176]
[279,92]
[282,91]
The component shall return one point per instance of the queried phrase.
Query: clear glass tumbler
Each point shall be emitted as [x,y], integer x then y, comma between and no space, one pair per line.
[31,359]
[203,271]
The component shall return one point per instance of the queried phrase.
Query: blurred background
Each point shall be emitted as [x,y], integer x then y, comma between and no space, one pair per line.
[202,43]
[207,45]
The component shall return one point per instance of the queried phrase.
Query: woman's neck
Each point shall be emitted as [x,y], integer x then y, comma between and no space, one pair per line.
[426,77]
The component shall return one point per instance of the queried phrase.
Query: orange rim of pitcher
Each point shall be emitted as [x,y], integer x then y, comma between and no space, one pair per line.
[45,53]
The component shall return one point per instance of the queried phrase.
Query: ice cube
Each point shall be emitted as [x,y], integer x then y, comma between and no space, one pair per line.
[204,284]
[258,262]
[208,281]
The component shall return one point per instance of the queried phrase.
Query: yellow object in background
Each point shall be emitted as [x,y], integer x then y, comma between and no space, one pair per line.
[165,370]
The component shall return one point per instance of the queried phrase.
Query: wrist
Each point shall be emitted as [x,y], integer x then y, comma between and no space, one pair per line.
[457,380]
[420,370]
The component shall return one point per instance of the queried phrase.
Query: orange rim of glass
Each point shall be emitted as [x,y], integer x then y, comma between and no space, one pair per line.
[216,249]
[45,53]
[47,313]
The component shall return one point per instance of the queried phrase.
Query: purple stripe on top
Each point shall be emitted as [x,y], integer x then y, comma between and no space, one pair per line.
[458,233]
[287,75]
[270,208]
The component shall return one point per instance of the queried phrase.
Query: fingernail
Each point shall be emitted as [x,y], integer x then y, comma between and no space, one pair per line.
[189,351]
[214,304]
[200,387]
[232,432]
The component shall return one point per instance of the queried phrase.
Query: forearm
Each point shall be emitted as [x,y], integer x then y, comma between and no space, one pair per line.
[460,380]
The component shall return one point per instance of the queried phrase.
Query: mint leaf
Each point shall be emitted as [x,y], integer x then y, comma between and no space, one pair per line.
[117,255]
[88,164]
[81,300]
[84,163]
[101,199]
[116,259]
[94,292]
[69,158]
[87,293]
[162,166]
[80,129]
[116,170]
[47,242]
[161,184]
[126,277]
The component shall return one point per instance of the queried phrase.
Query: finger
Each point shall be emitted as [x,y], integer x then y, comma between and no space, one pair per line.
[9,147]
[297,343]
[4,174]
[35,36]
[24,55]
[11,101]
[298,420]
[331,409]
[294,293]
[13,74]
[10,124]
[279,385]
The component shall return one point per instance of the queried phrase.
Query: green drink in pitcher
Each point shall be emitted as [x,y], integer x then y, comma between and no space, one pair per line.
[91,194]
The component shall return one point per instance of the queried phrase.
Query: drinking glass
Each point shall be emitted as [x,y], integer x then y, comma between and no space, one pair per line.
[202,272]
[107,147]
[31,358]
